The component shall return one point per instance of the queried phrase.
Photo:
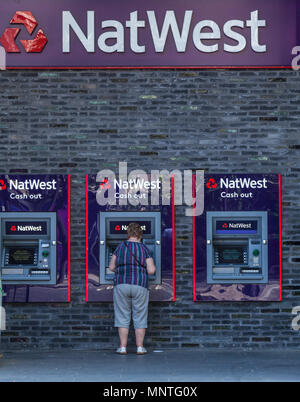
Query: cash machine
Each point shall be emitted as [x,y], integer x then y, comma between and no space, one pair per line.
[113,230]
[237,247]
[28,248]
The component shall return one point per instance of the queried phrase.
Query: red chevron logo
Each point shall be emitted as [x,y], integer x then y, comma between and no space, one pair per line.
[8,39]
[104,185]
[2,185]
[211,183]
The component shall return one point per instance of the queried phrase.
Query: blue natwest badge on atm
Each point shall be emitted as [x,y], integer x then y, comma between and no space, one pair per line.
[120,227]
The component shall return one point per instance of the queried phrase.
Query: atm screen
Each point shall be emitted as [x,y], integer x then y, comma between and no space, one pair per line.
[230,254]
[120,227]
[21,255]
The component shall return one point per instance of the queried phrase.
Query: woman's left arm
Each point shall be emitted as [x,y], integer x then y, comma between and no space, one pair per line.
[112,264]
[151,268]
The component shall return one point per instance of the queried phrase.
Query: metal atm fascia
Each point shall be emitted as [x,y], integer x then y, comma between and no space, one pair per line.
[152,241]
[241,272]
[2,311]
[43,271]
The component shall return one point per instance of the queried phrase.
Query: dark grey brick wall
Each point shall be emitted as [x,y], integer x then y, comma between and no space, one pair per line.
[218,120]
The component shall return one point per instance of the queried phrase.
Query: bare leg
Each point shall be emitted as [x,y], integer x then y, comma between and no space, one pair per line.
[139,336]
[123,334]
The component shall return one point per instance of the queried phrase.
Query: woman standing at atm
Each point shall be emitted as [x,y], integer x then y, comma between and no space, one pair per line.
[132,263]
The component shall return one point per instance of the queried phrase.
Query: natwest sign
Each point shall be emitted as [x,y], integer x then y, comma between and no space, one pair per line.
[16,228]
[243,182]
[131,33]
[200,34]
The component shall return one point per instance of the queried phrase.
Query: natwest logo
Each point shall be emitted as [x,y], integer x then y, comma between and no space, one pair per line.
[104,185]
[237,225]
[211,183]
[138,184]
[35,45]
[32,184]
[2,185]
[26,228]
[243,183]
[117,36]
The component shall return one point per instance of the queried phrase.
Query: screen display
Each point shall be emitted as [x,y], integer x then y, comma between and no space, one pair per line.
[229,254]
[21,256]
[26,228]
[120,227]
[236,227]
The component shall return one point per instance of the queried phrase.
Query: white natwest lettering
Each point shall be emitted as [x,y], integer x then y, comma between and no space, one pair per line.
[29,228]
[32,184]
[239,225]
[134,184]
[113,38]
[125,227]
[243,183]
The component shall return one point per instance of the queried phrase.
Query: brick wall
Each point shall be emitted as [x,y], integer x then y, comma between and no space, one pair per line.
[78,122]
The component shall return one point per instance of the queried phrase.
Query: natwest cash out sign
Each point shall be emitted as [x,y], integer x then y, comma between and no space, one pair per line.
[28,188]
[238,187]
[131,33]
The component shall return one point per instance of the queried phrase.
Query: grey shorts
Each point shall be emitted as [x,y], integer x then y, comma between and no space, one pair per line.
[129,298]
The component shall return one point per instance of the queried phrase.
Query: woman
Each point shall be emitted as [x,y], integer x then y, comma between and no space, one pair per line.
[132,263]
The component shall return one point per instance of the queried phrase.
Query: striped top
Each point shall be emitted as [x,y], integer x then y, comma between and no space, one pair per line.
[131,263]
